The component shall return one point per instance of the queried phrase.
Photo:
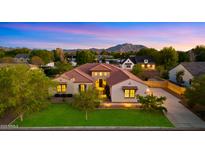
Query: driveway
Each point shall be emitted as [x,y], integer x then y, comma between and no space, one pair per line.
[177,113]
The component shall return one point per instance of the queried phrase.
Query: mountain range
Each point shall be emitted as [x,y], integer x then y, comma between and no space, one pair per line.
[118,48]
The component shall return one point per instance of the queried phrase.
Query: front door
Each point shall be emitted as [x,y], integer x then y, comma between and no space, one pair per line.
[100,82]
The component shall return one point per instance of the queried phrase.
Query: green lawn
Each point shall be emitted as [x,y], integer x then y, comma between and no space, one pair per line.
[64,115]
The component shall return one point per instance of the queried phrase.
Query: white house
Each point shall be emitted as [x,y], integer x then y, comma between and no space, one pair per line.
[51,64]
[121,85]
[191,70]
[146,62]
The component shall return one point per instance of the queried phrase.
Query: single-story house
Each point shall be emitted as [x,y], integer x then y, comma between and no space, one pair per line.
[191,70]
[121,85]
[146,62]
[21,58]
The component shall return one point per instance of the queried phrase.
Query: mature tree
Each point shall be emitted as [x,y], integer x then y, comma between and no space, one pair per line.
[7,60]
[85,56]
[179,77]
[149,52]
[199,52]
[2,53]
[163,72]
[63,67]
[151,102]
[59,55]
[168,57]
[104,52]
[19,89]
[183,57]
[14,52]
[86,101]
[45,55]
[137,69]
[58,69]
[196,93]
[37,61]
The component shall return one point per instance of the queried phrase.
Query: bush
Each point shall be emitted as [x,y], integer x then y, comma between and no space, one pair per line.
[151,102]
[137,69]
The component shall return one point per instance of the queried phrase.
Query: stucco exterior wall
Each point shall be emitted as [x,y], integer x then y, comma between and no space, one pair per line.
[72,88]
[186,77]
[117,93]
[75,87]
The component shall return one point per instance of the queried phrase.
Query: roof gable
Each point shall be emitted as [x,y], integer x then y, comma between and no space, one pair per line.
[22,56]
[101,67]
[78,76]
[195,68]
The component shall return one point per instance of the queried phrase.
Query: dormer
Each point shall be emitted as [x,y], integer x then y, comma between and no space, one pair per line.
[100,71]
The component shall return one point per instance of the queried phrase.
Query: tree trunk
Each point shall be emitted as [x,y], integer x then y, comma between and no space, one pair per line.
[21,117]
[86,115]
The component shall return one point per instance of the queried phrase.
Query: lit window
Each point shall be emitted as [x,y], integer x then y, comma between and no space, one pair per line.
[127,93]
[148,65]
[105,73]
[82,88]
[100,73]
[96,73]
[61,88]
[142,65]
[132,93]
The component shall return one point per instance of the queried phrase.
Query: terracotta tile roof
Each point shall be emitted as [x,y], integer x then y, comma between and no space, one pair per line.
[78,76]
[101,67]
[82,74]
[122,75]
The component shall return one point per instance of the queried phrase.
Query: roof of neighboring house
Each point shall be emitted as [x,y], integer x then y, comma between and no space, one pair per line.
[140,59]
[82,74]
[195,68]
[22,56]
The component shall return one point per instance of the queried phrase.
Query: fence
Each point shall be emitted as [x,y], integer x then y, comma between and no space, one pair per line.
[166,84]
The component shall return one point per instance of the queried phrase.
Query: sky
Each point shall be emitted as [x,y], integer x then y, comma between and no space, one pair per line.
[75,35]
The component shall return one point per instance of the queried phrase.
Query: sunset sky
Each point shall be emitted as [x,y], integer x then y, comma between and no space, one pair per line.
[182,36]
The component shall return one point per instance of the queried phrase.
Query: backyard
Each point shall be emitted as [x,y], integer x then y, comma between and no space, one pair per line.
[64,115]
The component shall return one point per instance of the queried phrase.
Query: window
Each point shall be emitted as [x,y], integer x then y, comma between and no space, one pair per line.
[95,73]
[100,73]
[82,87]
[132,93]
[61,88]
[105,73]
[129,93]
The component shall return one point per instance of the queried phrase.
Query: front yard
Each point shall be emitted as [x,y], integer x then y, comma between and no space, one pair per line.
[64,115]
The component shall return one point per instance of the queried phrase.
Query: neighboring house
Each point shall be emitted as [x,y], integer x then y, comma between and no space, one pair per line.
[72,60]
[22,58]
[191,70]
[146,62]
[51,64]
[122,85]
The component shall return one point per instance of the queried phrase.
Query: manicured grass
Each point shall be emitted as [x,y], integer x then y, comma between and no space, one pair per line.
[65,115]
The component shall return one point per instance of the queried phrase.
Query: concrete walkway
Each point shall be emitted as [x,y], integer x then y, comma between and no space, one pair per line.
[177,113]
